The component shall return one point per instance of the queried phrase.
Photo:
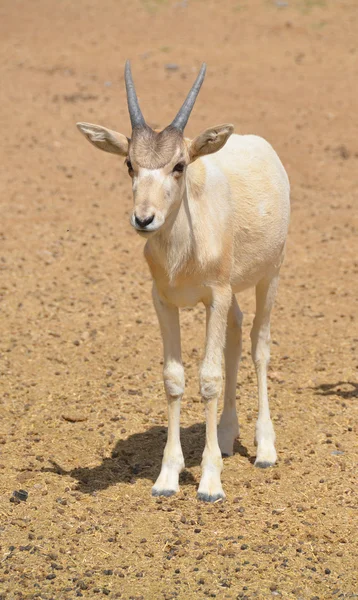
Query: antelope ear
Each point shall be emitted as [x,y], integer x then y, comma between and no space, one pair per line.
[210,140]
[105,139]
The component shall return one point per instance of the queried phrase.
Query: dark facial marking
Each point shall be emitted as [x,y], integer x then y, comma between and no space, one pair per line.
[153,150]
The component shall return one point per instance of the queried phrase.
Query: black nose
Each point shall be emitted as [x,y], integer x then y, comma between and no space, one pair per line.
[143,224]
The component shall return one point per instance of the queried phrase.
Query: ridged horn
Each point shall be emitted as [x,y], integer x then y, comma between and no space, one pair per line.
[183,115]
[135,112]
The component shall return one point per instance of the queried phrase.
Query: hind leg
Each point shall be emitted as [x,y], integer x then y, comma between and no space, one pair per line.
[260,337]
[228,429]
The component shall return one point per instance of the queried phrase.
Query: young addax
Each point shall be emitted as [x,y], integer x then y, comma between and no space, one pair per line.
[215,213]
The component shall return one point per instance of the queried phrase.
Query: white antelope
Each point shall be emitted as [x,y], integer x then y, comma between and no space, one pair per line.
[215,213]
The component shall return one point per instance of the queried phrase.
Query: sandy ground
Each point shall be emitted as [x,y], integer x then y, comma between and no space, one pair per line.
[83,414]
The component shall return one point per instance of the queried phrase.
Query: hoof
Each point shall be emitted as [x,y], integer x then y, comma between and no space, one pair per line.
[166,493]
[209,498]
[264,464]
[225,454]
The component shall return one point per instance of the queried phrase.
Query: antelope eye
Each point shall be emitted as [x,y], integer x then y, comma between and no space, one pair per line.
[179,168]
[129,165]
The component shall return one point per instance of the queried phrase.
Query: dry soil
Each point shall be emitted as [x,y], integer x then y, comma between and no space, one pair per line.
[83,415]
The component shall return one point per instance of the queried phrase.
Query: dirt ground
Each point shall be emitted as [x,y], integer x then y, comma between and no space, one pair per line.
[83,411]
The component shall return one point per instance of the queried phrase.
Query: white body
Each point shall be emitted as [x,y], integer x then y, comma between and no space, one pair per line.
[229,234]
[215,211]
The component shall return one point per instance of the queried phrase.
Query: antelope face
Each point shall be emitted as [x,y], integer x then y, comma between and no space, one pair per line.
[157,161]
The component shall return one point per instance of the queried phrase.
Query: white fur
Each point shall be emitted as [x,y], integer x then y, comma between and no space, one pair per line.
[217,229]
[229,237]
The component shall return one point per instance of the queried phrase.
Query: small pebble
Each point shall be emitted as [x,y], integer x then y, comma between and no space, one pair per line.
[19,496]
[74,417]
[172,67]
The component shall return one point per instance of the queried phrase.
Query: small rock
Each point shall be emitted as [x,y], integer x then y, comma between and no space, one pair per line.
[21,495]
[82,585]
[53,555]
[74,417]
[171,67]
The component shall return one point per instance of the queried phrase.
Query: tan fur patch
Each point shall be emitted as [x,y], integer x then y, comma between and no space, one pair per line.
[153,150]
[196,179]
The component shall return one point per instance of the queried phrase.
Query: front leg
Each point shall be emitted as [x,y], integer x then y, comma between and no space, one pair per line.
[210,488]
[173,461]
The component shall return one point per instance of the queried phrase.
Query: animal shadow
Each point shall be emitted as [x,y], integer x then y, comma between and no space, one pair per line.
[140,456]
[335,389]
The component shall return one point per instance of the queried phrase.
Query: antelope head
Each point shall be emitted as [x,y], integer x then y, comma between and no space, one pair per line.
[157,161]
